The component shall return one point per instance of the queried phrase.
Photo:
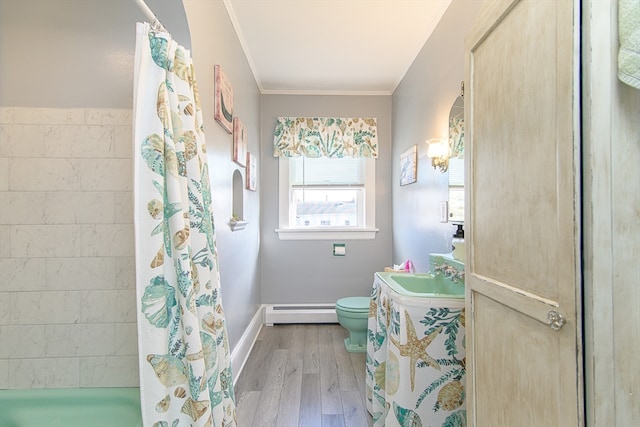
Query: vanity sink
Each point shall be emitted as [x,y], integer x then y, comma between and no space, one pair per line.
[423,285]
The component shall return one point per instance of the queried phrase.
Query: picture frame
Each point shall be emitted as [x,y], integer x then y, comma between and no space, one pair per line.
[223,109]
[409,166]
[239,142]
[252,177]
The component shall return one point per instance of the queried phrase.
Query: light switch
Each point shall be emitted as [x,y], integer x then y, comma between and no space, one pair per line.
[444,211]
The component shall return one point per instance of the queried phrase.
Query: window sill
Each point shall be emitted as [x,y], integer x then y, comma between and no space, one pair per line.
[326,234]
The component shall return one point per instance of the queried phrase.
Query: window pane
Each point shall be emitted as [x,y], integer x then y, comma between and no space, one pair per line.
[456,204]
[326,171]
[327,207]
[456,172]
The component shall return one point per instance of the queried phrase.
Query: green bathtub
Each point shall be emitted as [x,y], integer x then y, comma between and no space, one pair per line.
[73,407]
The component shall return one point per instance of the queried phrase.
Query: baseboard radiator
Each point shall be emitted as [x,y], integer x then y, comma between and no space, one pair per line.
[299,313]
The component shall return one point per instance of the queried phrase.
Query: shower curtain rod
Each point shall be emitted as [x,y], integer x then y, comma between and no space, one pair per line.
[155,22]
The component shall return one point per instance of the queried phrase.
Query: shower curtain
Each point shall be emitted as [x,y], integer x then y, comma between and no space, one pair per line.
[185,373]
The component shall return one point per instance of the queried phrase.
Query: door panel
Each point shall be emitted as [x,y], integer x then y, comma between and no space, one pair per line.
[516,394]
[522,222]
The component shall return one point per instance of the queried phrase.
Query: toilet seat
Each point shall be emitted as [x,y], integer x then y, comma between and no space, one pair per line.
[353,304]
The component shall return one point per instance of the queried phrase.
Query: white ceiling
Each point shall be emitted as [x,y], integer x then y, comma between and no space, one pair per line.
[332,46]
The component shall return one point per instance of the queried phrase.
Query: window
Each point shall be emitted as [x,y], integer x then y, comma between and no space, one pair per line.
[327,177]
[456,190]
[327,198]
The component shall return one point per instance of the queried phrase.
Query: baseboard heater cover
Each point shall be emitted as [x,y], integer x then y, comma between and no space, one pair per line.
[299,313]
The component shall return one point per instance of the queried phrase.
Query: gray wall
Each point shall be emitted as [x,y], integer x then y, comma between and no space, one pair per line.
[75,53]
[306,271]
[214,42]
[421,105]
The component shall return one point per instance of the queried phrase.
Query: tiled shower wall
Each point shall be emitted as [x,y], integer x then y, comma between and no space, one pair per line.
[67,274]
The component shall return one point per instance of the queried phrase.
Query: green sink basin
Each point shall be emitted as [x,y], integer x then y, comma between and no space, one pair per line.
[423,285]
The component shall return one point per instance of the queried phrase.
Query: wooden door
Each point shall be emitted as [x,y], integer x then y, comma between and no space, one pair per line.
[522,220]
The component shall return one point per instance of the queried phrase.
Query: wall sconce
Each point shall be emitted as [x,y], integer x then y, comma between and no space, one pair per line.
[438,151]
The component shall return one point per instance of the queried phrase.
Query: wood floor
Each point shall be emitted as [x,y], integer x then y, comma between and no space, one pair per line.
[301,375]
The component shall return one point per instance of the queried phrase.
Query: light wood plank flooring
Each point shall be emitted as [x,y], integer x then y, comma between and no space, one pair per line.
[301,375]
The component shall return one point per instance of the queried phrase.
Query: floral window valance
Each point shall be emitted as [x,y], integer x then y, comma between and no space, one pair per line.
[325,137]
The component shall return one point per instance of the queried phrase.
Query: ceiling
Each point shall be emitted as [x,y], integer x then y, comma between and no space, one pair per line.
[332,46]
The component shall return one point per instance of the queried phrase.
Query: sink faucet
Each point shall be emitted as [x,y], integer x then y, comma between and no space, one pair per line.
[450,272]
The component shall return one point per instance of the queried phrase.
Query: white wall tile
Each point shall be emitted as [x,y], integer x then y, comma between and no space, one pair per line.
[4,174]
[107,240]
[78,141]
[48,116]
[47,240]
[108,116]
[43,308]
[123,207]
[108,306]
[22,274]
[5,308]
[38,174]
[80,273]
[123,137]
[5,139]
[79,207]
[106,175]
[79,340]
[116,371]
[72,240]
[62,373]
[126,342]
[23,208]
[27,373]
[44,373]
[5,241]
[22,141]
[125,272]
[21,341]
[37,207]
[6,115]
[4,374]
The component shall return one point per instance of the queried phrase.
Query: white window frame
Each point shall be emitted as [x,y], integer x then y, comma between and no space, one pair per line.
[367,232]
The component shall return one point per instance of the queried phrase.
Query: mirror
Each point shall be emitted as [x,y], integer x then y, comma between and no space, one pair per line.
[456,161]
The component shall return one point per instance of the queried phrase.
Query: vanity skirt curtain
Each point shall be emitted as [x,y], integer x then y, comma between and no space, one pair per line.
[415,366]
[185,372]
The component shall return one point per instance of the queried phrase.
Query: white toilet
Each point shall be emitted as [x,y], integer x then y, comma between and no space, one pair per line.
[353,315]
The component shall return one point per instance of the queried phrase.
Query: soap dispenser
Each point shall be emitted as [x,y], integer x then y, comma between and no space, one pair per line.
[458,242]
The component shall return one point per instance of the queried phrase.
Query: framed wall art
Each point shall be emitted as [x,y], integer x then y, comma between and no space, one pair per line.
[409,166]
[239,142]
[223,110]
[252,178]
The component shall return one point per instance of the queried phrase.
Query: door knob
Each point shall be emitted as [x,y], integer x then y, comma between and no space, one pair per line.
[555,320]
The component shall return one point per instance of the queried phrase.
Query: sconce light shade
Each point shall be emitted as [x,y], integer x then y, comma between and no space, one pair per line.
[438,151]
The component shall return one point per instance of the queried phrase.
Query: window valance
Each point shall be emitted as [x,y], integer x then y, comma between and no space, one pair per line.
[325,137]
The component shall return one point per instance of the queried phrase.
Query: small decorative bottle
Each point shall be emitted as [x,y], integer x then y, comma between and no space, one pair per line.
[458,243]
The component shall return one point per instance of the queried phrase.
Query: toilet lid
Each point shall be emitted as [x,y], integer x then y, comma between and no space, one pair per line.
[354,304]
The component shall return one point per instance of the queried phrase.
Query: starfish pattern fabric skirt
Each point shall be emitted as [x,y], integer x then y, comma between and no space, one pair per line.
[415,360]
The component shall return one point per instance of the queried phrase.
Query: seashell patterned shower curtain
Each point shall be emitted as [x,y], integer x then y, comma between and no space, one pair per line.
[185,373]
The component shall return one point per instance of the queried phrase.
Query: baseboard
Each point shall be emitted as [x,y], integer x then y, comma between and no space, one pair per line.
[241,351]
[299,313]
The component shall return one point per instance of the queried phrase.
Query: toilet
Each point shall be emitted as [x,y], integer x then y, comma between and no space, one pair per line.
[353,315]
